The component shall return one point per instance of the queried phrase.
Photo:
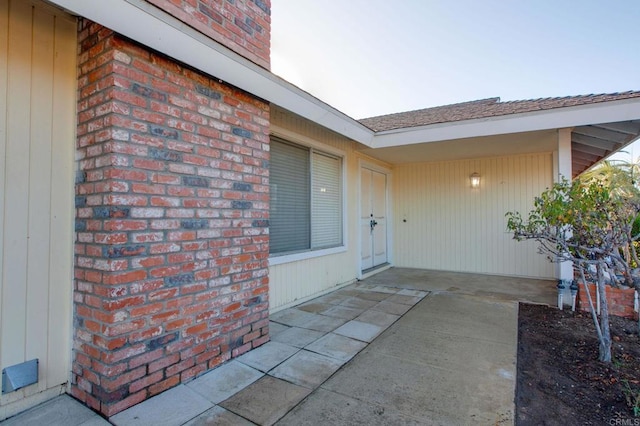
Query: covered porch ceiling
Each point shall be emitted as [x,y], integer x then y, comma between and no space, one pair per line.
[467,148]
[590,144]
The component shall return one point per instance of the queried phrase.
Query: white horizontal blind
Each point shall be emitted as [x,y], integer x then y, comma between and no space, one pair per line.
[290,205]
[326,201]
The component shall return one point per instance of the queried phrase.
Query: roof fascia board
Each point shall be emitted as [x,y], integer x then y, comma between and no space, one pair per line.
[557,118]
[160,31]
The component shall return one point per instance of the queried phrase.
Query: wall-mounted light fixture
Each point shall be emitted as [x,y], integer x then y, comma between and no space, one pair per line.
[475,180]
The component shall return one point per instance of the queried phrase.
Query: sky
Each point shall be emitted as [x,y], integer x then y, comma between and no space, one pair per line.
[374,57]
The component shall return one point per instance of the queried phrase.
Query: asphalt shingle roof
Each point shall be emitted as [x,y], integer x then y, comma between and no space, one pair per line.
[483,108]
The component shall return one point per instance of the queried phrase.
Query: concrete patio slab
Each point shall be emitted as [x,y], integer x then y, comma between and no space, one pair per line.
[62,410]
[423,391]
[392,308]
[336,346]
[275,328]
[322,323]
[329,408]
[449,313]
[352,290]
[267,356]
[359,330]
[373,296]
[314,307]
[381,319]
[487,286]
[333,298]
[364,285]
[298,337]
[448,351]
[407,292]
[224,381]
[357,303]
[404,300]
[384,289]
[171,408]
[307,369]
[219,416]
[425,369]
[266,401]
[93,421]
[343,312]
[291,317]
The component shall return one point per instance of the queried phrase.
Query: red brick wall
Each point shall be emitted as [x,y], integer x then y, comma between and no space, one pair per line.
[244,26]
[171,265]
[620,301]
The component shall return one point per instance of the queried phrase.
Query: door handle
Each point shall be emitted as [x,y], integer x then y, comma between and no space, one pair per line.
[372,223]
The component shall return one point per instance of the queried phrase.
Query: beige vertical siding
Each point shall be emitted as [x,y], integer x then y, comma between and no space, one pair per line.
[290,283]
[450,226]
[294,282]
[37,128]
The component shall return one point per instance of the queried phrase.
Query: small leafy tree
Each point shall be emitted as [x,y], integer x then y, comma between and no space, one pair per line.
[589,224]
[621,178]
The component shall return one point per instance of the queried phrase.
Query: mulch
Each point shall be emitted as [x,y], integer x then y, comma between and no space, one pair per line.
[559,378]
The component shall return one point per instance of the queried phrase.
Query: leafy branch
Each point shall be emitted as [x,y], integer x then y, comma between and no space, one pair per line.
[592,223]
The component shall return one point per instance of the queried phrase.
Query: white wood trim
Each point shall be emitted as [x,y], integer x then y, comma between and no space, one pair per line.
[564,155]
[4,70]
[143,22]
[62,196]
[304,255]
[365,163]
[309,142]
[604,112]
[564,170]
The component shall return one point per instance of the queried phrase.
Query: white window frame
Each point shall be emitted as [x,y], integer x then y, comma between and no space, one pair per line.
[313,145]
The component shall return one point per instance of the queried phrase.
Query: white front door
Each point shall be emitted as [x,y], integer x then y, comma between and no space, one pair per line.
[373,218]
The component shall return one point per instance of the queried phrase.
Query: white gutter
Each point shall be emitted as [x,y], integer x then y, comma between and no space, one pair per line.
[160,31]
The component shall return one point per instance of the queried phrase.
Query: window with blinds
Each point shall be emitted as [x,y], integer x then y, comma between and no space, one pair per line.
[305,198]
[326,201]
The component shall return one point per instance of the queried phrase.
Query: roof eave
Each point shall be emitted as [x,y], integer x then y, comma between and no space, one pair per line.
[160,31]
[557,118]
[145,23]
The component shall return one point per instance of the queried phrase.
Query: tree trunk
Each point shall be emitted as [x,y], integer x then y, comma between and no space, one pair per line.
[605,341]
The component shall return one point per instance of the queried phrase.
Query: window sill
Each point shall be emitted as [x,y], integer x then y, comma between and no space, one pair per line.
[295,257]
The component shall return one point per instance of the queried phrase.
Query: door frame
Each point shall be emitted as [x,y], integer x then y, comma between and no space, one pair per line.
[387,172]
